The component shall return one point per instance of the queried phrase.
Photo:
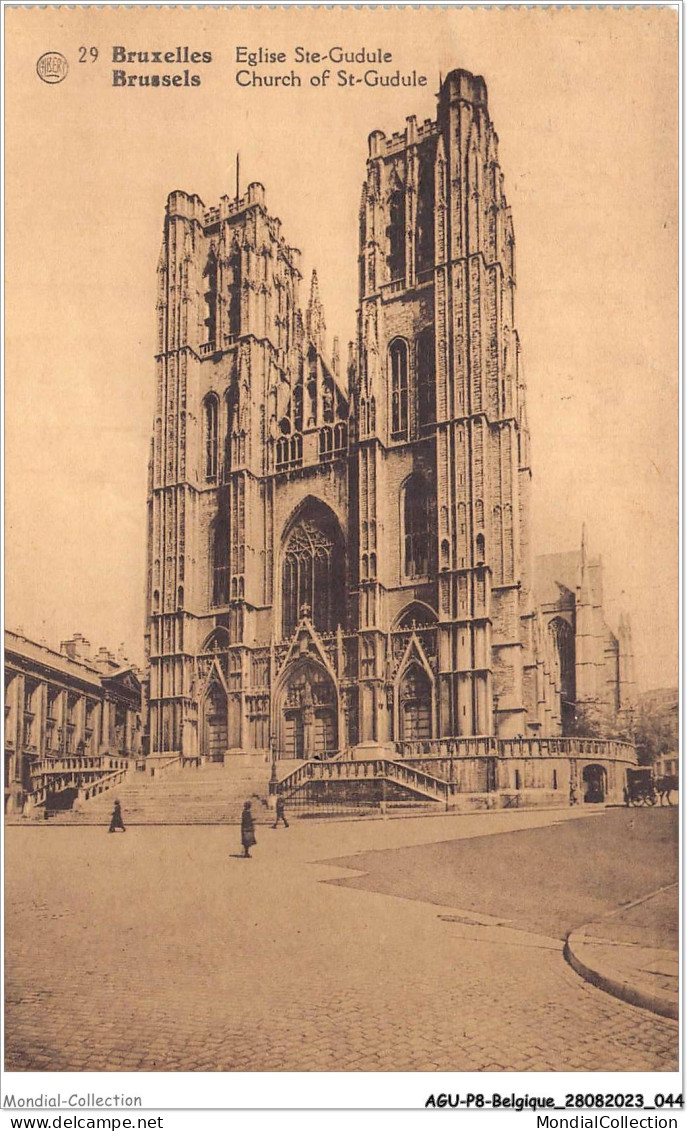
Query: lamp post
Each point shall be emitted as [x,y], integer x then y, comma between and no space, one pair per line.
[273,766]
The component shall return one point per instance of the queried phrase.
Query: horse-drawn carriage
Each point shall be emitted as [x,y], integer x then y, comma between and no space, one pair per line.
[643,788]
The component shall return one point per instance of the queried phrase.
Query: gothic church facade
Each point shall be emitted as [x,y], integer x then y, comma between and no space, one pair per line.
[339,554]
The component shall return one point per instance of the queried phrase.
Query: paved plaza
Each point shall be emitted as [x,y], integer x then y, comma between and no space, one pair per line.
[162,949]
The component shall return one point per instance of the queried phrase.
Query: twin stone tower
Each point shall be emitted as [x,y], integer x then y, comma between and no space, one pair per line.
[339,551]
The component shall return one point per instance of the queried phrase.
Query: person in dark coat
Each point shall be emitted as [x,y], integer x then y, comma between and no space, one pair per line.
[280,813]
[247,829]
[116,821]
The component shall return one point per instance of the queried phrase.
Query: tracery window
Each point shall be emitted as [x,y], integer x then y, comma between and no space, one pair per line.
[340,437]
[424,239]
[398,361]
[418,533]
[397,235]
[235,294]
[563,639]
[289,452]
[210,415]
[326,442]
[312,576]
[426,383]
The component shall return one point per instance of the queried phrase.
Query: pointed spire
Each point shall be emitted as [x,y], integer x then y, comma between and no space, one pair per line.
[314,316]
[314,288]
[389,657]
[363,201]
[585,593]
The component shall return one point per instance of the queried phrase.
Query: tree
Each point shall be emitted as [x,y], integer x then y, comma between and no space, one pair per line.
[594,720]
[655,732]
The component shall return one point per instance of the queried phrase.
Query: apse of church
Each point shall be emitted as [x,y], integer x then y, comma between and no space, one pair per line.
[339,553]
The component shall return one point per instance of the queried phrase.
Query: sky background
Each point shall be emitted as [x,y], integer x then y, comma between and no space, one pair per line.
[585,105]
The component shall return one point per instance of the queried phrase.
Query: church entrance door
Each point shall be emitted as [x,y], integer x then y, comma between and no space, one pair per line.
[415,705]
[594,778]
[215,729]
[293,734]
[307,719]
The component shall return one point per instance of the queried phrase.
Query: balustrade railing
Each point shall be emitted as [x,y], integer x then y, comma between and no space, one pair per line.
[604,749]
[101,785]
[365,770]
[175,761]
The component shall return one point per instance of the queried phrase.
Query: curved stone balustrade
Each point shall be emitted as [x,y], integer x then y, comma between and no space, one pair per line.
[606,749]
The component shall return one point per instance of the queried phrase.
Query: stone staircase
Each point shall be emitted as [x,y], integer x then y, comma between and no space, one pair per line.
[211,794]
[356,776]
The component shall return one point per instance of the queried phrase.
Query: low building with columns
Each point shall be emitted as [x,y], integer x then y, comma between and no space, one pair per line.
[72,722]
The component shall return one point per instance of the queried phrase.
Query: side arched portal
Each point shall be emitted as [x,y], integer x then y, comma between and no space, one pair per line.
[306,712]
[595,785]
[415,705]
[215,731]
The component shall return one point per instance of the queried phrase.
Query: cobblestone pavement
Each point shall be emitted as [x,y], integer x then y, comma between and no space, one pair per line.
[161,949]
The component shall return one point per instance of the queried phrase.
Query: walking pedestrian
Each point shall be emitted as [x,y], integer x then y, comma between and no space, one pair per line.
[247,829]
[116,821]
[280,813]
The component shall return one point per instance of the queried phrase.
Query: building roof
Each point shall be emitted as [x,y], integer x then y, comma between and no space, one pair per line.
[556,573]
[42,656]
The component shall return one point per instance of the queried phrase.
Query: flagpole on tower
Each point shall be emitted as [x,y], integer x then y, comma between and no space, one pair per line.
[238,159]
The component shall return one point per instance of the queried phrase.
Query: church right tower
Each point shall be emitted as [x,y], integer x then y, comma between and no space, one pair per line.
[443,449]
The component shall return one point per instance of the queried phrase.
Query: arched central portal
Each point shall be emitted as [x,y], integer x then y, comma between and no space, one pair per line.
[307,713]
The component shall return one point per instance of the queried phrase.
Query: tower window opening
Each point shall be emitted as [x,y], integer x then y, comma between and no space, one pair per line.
[326,444]
[289,452]
[398,360]
[210,415]
[340,437]
[235,294]
[424,236]
[220,562]
[210,297]
[417,528]
[396,233]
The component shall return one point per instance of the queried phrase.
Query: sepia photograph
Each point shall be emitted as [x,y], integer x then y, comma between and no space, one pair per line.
[341,548]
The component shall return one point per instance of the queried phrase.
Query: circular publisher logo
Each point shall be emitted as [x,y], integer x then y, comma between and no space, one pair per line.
[52,67]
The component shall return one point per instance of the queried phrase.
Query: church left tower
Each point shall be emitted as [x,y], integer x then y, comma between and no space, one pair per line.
[245,405]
